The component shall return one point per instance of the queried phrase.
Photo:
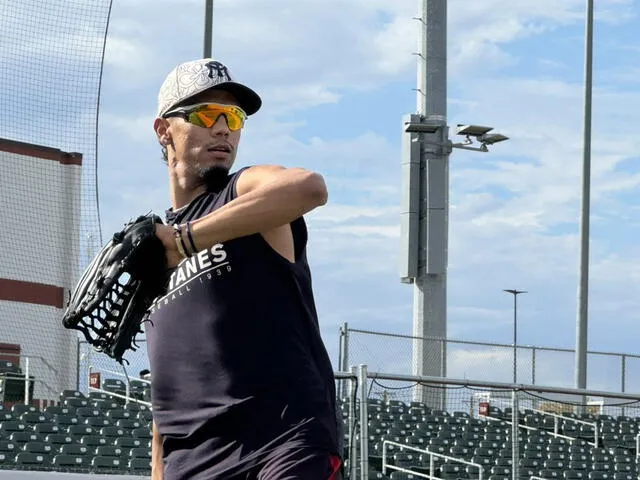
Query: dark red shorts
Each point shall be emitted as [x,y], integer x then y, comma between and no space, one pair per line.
[300,464]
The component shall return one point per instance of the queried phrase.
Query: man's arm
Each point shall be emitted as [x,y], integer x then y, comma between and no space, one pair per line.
[268,197]
[157,466]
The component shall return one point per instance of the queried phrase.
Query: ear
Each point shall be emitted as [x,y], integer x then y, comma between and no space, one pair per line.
[162,129]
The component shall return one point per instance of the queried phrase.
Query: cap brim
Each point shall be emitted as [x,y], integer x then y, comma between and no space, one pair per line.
[247,99]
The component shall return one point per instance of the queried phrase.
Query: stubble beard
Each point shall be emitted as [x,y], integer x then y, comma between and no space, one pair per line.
[213,177]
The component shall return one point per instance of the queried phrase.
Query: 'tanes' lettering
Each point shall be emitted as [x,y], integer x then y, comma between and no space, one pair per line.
[203,260]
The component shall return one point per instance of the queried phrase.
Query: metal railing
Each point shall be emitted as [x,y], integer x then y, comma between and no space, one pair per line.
[387,466]
[556,417]
[26,377]
[366,381]
[127,384]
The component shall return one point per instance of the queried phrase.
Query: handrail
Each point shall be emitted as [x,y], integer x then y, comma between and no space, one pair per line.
[431,464]
[555,426]
[22,378]
[429,380]
[39,357]
[132,379]
[127,398]
[527,427]
[489,344]
[113,394]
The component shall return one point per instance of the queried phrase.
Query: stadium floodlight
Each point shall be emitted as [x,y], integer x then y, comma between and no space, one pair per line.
[421,127]
[492,138]
[472,130]
[481,134]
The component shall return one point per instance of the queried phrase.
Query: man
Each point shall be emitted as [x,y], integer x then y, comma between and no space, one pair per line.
[243,387]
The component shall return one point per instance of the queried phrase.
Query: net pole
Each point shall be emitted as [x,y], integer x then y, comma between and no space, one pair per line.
[208,28]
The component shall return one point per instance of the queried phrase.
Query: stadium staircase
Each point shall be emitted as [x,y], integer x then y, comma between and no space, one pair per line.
[414,441]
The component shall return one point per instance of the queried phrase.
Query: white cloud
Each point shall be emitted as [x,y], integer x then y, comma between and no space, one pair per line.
[514,211]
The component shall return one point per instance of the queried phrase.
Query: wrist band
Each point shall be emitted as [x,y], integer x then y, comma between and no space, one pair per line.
[190,237]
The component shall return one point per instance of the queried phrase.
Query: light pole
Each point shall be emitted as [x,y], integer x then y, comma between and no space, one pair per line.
[515,294]
[583,286]
[424,217]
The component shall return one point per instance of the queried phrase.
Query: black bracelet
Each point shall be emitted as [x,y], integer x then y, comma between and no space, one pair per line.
[193,244]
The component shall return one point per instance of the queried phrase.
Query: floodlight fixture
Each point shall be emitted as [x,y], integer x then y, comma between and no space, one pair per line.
[421,127]
[472,130]
[492,138]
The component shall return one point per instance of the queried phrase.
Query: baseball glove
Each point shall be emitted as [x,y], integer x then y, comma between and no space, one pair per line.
[112,298]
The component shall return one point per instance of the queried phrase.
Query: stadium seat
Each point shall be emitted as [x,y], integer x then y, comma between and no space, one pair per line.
[93,441]
[59,439]
[75,449]
[100,463]
[71,393]
[128,423]
[140,452]
[142,433]
[127,442]
[9,426]
[75,402]
[143,465]
[109,451]
[38,447]
[46,428]
[33,461]
[25,436]
[81,430]
[60,410]
[65,462]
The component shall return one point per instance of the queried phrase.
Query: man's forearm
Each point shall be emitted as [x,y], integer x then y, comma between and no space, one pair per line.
[157,465]
[274,204]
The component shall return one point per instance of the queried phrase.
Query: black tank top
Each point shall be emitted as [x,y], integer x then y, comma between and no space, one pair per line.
[238,366]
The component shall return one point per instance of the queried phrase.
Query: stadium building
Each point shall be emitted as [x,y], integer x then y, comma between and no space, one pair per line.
[41,234]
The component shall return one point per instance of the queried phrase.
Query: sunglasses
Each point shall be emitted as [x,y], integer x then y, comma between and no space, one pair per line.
[206,115]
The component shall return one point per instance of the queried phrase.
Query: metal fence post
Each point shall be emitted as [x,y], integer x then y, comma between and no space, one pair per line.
[623,372]
[343,360]
[353,451]
[364,423]
[26,380]
[533,366]
[515,444]
[345,352]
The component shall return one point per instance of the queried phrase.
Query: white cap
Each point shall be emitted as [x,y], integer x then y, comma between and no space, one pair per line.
[191,78]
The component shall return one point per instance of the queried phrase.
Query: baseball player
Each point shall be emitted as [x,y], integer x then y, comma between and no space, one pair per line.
[242,385]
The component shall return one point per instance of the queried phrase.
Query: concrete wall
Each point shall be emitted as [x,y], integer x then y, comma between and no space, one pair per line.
[40,238]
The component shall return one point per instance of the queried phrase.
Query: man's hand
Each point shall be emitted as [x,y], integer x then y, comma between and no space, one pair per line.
[166,234]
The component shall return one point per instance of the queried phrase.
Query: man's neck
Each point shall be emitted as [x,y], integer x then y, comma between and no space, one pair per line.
[181,197]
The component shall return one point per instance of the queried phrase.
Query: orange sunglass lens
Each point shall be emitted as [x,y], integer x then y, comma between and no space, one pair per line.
[208,118]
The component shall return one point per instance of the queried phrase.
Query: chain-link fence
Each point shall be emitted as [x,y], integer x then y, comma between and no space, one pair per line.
[495,362]
[91,360]
[52,57]
[560,432]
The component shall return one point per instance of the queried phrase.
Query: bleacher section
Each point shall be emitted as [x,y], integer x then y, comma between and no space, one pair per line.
[544,451]
[98,433]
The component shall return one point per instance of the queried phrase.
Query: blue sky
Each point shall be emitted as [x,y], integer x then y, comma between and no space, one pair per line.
[337,76]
